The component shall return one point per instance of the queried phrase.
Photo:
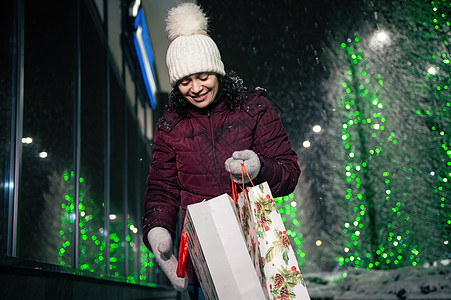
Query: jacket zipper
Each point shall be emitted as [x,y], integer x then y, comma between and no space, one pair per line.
[218,174]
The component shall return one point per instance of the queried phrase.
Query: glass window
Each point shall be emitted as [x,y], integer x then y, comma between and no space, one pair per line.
[47,176]
[146,271]
[6,53]
[93,134]
[132,195]
[118,180]
[46,186]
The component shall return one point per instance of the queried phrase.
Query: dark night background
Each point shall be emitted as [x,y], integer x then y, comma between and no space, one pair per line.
[280,45]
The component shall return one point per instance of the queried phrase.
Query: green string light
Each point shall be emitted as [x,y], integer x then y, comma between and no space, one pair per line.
[92,243]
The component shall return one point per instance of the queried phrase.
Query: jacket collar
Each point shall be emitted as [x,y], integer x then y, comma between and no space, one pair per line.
[171,118]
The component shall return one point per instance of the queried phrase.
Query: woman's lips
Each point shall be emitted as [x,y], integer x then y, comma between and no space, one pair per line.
[199,98]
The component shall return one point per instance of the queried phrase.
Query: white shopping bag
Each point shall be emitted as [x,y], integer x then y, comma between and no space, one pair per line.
[219,253]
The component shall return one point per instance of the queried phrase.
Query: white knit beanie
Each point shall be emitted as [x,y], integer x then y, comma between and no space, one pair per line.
[191,50]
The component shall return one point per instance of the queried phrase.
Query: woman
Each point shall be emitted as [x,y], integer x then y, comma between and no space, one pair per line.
[212,126]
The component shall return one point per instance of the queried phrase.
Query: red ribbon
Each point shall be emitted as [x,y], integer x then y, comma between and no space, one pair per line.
[183,253]
[234,191]
[242,173]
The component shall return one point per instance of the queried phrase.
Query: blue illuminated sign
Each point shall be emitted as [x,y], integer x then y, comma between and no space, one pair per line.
[145,55]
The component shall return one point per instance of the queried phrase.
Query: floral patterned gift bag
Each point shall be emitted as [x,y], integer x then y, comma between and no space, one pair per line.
[250,236]
[268,244]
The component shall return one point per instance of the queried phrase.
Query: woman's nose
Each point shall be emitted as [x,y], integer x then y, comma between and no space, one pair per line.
[197,86]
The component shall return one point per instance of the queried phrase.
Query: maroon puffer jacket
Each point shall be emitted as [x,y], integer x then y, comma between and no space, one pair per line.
[189,155]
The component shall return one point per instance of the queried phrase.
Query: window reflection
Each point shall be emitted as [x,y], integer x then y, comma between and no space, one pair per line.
[46,189]
[47,209]
[5,118]
[93,138]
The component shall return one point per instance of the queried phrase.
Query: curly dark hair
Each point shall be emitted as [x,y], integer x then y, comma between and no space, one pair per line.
[230,86]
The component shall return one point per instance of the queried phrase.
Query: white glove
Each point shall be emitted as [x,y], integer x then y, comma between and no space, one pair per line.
[250,161]
[161,242]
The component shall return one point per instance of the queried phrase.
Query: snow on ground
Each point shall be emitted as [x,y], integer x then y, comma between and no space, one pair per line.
[404,283]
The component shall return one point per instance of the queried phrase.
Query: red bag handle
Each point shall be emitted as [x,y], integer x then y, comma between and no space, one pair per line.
[242,173]
[183,253]
[234,191]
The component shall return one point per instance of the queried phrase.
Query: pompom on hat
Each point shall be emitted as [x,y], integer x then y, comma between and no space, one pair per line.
[191,50]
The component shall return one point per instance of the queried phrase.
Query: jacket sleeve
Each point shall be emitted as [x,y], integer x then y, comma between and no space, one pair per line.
[162,196]
[279,166]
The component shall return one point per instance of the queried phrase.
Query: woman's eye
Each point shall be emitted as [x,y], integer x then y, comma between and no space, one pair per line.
[184,82]
[203,77]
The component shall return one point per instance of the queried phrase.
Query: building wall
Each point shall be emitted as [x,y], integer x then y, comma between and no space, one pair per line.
[76,132]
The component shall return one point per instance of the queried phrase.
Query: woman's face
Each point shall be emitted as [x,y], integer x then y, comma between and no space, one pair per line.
[199,89]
